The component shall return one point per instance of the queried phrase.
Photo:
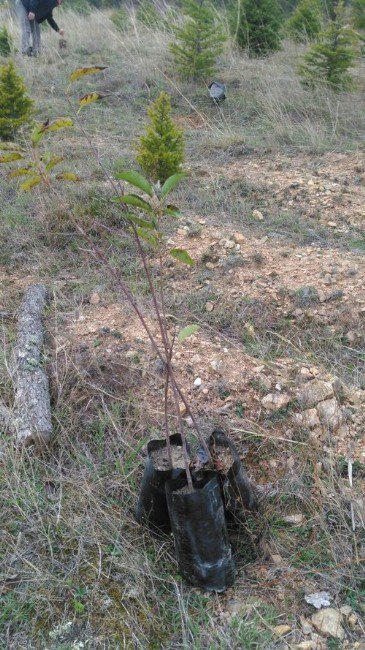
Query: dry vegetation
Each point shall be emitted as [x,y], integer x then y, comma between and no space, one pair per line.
[274,216]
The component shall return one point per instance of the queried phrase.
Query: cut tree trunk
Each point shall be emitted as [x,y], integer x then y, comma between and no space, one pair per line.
[32,408]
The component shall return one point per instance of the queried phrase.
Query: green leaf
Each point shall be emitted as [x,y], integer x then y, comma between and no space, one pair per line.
[136,201]
[21,171]
[171,183]
[30,183]
[82,72]
[39,132]
[140,222]
[90,98]
[136,179]
[189,330]
[10,157]
[56,160]
[182,255]
[68,176]
[147,237]
[172,211]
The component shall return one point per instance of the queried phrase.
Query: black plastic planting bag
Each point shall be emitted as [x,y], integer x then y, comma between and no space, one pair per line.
[152,505]
[200,533]
[237,488]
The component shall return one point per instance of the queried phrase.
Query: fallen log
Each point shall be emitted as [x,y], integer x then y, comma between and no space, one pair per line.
[31,417]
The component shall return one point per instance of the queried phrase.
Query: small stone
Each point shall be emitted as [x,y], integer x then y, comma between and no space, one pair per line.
[205,391]
[257,215]
[332,224]
[330,414]
[216,364]
[353,619]
[305,645]
[198,382]
[280,630]
[346,610]
[238,238]
[328,622]
[294,519]
[94,299]
[210,265]
[275,401]
[209,306]
[314,392]
[276,559]
[327,279]
[310,418]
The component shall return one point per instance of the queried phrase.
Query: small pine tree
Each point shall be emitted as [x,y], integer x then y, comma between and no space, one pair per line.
[256,26]
[305,22]
[15,105]
[160,152]
[358,12]
[5,42]
[329,60]
[198,42]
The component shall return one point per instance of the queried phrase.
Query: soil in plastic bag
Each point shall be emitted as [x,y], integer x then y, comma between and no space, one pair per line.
[237,490]
[200,533]
[152,505]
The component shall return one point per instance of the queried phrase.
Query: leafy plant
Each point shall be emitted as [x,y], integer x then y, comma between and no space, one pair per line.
[198,42]
[329,60]
[15,105]
[255,26]
[5,42]
[305,23]
[144,211]
[160,152]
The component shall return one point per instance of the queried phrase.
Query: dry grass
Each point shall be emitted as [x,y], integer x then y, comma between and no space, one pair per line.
[76,569]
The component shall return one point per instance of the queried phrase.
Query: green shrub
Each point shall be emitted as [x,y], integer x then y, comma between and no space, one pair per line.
[198,42]
[5,42]
[15,105]
[358,12]
[256,26]
[305,23]
[160,152]
[329,60]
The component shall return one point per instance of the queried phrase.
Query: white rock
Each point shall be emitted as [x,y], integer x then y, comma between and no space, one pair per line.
[294,519]
[198,382]
[318,599]
[257,215]
[330,414]
[275,401]
[315,391]
[328,622]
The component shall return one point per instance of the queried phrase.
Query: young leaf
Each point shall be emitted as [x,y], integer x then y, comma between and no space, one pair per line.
[182,255]
[136,179]
[171,182]
[56,160]
[140,222]
[81,72]
[30,183]
[10,157]
[136,201]
[189,330]
[89,99]
[147,237]
[21,171]
[67,176]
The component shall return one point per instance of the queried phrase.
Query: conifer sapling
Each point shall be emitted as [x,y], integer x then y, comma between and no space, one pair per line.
[15,105]
[305,22]
[160,152]
[256,26]
[199,41]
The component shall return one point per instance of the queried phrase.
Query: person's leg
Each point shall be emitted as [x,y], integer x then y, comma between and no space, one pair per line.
[24,27]
[36,35]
